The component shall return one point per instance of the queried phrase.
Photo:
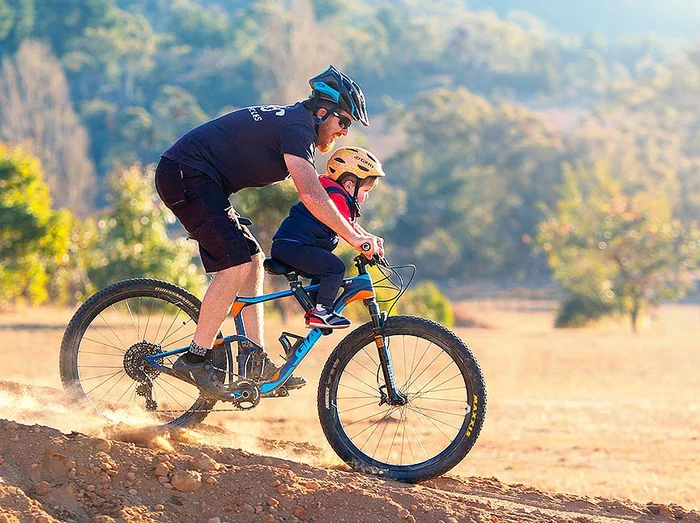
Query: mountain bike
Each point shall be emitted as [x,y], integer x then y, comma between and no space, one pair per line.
[400,396]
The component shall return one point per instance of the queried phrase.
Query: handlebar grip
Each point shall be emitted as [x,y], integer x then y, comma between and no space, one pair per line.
[366,246]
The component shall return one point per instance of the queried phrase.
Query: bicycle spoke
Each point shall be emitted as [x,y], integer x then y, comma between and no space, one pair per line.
[413,369]
[420,441]
[439,411]
[398,426]
[104,344]
[355,408]
[133,320]
[375,425]
[361,381]
[379,440]
[373,373]
[421,391]
[376,363]
[104,382]
[431,418]
[98,377]
[408,385]
[363,419]
[114,385]
[126,329]
[148,316]
[162,383]
[125,391]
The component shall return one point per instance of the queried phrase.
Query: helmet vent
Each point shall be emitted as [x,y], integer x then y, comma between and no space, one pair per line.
[339,159]
[363,168]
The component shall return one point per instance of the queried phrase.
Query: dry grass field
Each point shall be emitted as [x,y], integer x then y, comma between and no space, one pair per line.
[598,412]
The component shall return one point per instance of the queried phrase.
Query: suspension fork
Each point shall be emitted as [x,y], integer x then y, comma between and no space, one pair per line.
[393,396]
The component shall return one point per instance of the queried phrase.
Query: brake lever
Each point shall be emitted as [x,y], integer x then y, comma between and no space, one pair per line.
[380,260]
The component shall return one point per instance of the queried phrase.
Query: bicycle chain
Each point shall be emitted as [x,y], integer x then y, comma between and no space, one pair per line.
[234,409]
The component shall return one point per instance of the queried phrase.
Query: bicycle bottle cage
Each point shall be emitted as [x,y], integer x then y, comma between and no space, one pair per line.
[289,346]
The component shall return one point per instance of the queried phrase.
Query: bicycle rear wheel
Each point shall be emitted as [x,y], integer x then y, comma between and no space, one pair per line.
[101,359]
[443,415]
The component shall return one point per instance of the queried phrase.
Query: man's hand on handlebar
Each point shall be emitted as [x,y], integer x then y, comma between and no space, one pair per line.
[367,245]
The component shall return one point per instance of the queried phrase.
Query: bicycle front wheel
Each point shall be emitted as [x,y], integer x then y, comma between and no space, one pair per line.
[445,401]
[106,341]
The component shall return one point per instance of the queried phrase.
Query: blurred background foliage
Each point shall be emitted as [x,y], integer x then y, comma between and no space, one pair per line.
[517,136]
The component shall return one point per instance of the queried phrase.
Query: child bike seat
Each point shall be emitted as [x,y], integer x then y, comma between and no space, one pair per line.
[274,266]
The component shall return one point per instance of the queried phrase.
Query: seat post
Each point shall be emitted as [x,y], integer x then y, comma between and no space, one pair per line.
[299,293]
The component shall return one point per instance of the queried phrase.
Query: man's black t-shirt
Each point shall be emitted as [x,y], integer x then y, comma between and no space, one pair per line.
[244,148]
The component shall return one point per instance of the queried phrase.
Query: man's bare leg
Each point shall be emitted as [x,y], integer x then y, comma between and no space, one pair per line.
[246,280]
[215,306]
[217,303]
[253,286]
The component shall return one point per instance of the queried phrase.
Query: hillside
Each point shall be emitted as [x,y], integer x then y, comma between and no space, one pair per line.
[131,474]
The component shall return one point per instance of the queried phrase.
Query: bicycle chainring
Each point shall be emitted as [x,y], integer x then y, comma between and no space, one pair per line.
[249,396]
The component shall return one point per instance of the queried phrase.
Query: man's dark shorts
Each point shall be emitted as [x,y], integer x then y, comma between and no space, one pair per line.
[204,210]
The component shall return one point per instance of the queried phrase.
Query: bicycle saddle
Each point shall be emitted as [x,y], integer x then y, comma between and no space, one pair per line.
[274,266]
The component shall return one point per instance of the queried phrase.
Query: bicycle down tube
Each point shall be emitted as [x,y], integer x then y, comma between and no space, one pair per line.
[354,289]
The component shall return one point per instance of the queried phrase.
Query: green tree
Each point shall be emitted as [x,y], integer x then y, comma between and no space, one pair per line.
[31,234]
[133,240]
[36,111]
[69,283]
[474,175]
[614,251]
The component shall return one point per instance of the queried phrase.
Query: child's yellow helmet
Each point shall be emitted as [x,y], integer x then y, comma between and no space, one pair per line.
[354,160]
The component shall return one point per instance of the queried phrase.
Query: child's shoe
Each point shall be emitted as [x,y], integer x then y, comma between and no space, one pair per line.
[326,319]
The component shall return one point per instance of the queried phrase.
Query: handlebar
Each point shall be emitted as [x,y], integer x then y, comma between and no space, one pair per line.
[363,260]
[376,259]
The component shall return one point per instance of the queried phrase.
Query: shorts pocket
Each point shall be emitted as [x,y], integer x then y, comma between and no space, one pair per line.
[221,243]
[171,188]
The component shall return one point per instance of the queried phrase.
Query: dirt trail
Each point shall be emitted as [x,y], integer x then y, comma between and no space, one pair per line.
[104,474]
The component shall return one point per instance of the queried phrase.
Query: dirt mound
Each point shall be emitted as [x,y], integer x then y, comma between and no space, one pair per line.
[139,474]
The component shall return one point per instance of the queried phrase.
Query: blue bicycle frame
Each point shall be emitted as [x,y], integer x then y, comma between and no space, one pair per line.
[353,289]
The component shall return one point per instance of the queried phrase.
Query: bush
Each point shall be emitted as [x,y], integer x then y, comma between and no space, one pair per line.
[427,301]
[32,235]
[580,311]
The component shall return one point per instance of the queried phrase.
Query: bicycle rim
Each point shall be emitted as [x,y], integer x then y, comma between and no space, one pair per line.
[433,430]
[103,350]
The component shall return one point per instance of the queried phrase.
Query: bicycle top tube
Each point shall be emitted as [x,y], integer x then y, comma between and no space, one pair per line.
[354,289]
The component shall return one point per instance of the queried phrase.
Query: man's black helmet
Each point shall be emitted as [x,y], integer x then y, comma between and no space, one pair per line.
[335,86]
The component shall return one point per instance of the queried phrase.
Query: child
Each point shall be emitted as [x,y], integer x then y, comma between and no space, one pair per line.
[305,243]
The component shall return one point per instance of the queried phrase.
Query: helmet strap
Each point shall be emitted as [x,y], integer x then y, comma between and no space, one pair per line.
[318,120]
[355,212]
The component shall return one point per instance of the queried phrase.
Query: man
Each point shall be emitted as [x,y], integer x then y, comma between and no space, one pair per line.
[252,147]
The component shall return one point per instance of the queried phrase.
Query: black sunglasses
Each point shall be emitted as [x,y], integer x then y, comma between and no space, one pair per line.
[343,120]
